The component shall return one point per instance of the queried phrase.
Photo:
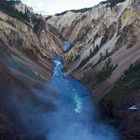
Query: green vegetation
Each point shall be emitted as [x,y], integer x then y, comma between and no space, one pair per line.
[83,62]
[10,1]
[115,97]
[7,7]
[112,3]
[128,84]
[77,57]
[75,11]
[48,17]
[105,73]
[30,53]
[131,79]
[92,53]
[38,24]
[73,60]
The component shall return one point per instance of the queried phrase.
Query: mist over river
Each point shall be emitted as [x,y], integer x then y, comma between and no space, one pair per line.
[75,117]
[61,110]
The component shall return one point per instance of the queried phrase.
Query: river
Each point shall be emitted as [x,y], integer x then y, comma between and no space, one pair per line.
[75,117]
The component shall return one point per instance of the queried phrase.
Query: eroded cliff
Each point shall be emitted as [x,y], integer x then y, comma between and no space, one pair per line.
[106,44]
[27,43]
[102,36]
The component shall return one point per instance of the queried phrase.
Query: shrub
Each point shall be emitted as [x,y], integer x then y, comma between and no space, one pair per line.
[74,11]
[128,83]
[105,73]
[112,3]
[7,7]
[131,79]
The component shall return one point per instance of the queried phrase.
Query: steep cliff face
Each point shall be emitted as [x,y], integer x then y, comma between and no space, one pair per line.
[27,43]
[102,38]
[106,43]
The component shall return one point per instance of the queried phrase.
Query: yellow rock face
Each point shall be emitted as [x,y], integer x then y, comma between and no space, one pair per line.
[128,16]
[27,48]
[99,35]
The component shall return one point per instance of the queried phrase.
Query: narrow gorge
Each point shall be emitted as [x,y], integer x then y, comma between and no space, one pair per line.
[71,76]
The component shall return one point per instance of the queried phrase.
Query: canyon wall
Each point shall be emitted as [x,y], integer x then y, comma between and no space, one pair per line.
[102,36]
[27,44]
[105,57]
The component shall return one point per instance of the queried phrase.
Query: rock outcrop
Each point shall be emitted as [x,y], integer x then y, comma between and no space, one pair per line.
[102,38]
[27,44]
[105,43]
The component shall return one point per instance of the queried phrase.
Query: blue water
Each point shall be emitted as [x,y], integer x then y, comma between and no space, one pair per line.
[70,90]
[75,116]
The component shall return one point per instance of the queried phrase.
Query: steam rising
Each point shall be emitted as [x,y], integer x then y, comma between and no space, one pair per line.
[75,117]
[68,116]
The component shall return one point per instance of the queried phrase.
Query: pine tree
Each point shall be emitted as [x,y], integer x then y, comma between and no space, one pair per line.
[114,2]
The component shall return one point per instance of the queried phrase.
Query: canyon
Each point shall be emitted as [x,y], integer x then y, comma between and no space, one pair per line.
[99,47]
[104,58]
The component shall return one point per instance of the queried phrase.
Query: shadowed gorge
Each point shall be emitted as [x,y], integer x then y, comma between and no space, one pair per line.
[74,75]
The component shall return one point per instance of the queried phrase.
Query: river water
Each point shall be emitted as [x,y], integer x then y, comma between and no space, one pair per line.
[75,117]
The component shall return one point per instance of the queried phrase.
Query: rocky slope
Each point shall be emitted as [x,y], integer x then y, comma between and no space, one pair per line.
[100,36]
[106,43]
[27,43]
